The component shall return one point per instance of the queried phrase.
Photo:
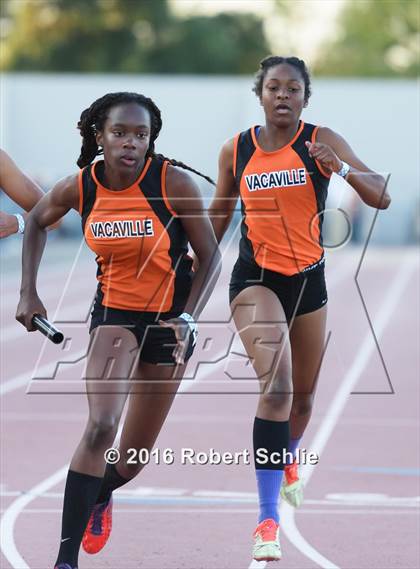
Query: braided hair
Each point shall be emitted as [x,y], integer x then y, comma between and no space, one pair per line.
[272,61]
[93,119]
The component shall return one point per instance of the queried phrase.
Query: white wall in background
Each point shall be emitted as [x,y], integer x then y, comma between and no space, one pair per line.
[379,118]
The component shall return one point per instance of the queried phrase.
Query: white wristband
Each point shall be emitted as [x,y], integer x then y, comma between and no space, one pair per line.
[192,324]
[21,222]
[344,170]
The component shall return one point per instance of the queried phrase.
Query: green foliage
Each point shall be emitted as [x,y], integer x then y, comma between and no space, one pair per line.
[377,38]
[225,43]
[126,36]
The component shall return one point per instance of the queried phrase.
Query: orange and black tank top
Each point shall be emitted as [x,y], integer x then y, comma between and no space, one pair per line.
[283,196]
[139,242]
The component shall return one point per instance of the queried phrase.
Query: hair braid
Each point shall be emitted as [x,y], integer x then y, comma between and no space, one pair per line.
[93,119]
[174,162]
[89,147]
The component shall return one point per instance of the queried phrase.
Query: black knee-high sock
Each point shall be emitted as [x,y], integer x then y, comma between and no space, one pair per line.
[110,482]
[79,499]
[274,437]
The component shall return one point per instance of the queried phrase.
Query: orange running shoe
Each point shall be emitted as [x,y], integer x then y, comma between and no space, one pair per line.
[266,541]
[292,488]
[99,527]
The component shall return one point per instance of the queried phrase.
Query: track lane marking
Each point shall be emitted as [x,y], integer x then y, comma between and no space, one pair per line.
[7,543]
[10,515]
[338,403]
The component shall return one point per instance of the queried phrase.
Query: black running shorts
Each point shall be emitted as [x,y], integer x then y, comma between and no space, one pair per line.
[155,342]
[299,294]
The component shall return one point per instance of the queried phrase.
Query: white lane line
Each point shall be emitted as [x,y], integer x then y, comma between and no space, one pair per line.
[47,276]
[24,378]
[8,520]
[141,493]
[364,512]
[333,280]
[7,543]
[77,417]
[16,330]
[327,426]
[337,275]
[223,510]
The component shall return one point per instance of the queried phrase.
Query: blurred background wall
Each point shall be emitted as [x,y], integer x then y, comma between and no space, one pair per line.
[196,60]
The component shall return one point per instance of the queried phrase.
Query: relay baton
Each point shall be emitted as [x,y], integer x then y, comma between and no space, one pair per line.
[46,328]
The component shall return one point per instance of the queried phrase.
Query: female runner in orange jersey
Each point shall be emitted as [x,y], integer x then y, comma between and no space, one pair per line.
[278,294]
[138,214]
[19,188]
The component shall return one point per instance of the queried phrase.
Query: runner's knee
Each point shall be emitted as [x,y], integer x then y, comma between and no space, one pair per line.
[275,402]
[302,405]
[101,432]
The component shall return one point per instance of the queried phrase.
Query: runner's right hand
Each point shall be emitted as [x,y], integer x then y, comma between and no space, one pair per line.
[28,306]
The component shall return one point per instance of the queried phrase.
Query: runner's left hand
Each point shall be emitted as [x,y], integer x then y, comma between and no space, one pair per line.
[182,334]
[8,224]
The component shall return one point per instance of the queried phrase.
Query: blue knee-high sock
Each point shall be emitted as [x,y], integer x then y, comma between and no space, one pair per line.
[293,445]
[273,437]
[269,484]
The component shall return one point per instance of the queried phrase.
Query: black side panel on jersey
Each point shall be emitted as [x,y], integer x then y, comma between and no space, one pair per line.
[246,251]
[244,152]
[178,252]
[89,197]
[319,181]
[89,194]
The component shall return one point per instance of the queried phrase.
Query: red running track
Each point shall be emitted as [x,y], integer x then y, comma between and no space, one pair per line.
[362,506]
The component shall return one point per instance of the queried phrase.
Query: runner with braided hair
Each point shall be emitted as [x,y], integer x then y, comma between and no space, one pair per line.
[139,212]
[93,118]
